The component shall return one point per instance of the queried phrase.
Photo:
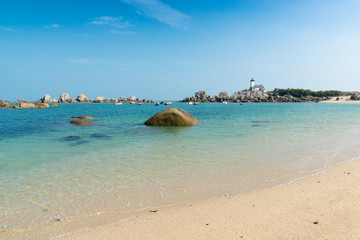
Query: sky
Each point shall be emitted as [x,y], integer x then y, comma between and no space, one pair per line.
[168,49]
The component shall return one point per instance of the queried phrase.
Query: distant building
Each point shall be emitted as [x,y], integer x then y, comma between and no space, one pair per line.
[256,88]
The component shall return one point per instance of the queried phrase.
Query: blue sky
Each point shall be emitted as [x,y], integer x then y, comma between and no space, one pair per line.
[170,49]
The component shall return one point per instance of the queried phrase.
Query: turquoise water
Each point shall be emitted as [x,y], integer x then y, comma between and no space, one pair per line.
[121,165]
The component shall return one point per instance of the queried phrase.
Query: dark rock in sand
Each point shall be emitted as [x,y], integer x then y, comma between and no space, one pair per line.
[172,117]
[83,117]
[81,122]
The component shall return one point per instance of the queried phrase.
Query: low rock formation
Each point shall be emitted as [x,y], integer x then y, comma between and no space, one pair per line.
[83,117]
[27,105]
[41,105]
[172,117]
[81,122]
[4,104]
[54,105]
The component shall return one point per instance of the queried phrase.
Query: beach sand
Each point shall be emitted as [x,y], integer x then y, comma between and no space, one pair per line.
[324,206]
[344,99]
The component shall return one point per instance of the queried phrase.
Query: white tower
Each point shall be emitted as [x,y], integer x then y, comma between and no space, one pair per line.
[252,83]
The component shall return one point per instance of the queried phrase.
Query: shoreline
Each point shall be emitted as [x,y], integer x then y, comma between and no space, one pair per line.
[314,199]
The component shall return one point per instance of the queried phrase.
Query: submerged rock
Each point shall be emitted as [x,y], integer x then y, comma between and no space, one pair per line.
[83,117]
[81,122]
[100,136]
[71,138]
[172,117]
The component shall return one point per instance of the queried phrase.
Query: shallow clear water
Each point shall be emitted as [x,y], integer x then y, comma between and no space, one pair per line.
[122,165]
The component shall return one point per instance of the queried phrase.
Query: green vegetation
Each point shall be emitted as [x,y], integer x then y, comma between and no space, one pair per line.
[307,92]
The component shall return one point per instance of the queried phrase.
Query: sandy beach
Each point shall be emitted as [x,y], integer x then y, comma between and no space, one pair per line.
[344,99]
[324,206]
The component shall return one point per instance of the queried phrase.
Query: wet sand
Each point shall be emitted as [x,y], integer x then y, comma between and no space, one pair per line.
[324,206]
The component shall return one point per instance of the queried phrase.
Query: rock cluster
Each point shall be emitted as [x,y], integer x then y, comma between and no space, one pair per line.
[81,98]
[249,96]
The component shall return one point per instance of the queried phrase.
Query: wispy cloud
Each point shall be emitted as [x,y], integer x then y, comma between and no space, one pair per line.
[54,25]
[7,29]
[123,32]
[81,61]
[117,22]
[162,12]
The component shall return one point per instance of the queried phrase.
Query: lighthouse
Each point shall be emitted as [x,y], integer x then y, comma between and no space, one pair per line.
[252,83]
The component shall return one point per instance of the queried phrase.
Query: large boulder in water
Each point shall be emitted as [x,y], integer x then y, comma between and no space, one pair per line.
[64,97]
[82,98]
[45,99]
[172,117]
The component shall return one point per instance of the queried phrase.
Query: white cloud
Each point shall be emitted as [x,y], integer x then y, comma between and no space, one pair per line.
[81,61]
[116,22]
[54,25]
[162,12]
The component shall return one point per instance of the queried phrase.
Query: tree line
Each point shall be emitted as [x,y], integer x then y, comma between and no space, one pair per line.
[306,92]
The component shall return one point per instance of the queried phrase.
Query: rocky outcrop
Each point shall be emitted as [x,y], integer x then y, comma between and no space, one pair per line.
[54,100]
[81,122]
[223,95]
[46,98]
[4,104]
[64,98]
[82,98]
[250,96]
[99,99]
[54,105]
[83,117]
[172,117]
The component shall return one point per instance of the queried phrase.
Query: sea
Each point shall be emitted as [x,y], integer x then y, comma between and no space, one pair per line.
[55,174]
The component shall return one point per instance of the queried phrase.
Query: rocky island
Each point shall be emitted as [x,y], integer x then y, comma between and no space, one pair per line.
[257,93]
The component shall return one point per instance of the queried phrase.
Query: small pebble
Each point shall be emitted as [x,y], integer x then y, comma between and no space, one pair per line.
[318,181]
[207,224]
[226,195]
[316,222]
